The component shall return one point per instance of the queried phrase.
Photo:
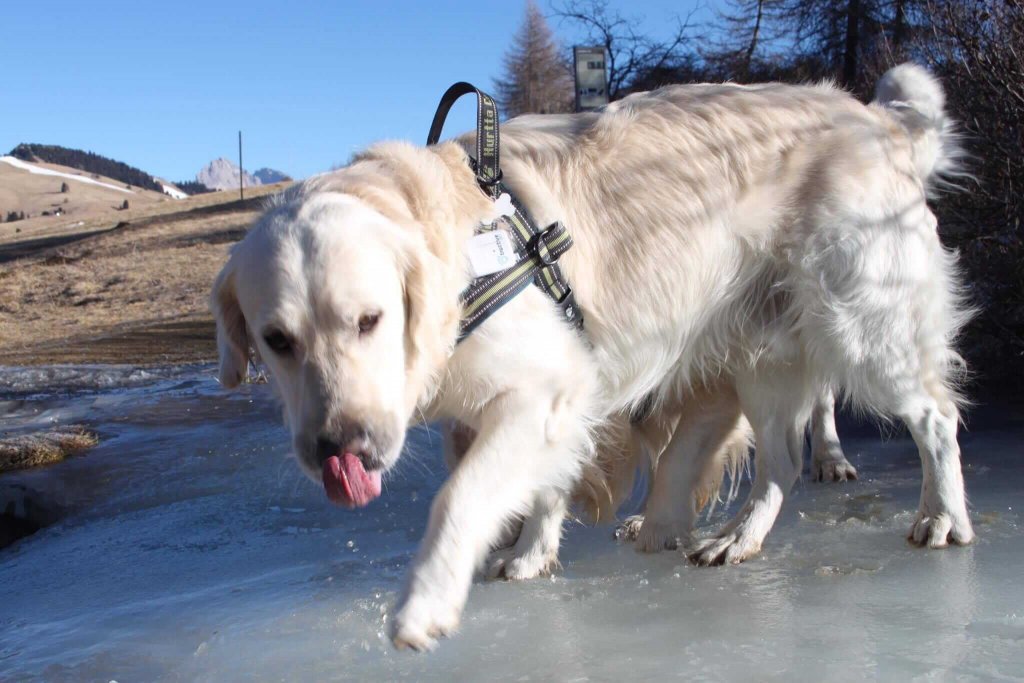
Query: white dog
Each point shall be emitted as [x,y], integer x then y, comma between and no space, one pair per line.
[750,243]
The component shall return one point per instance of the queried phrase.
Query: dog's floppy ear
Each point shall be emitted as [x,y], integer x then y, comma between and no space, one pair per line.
[430,321]
[232,338]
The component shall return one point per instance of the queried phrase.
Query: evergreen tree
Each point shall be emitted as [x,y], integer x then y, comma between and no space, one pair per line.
[537,79]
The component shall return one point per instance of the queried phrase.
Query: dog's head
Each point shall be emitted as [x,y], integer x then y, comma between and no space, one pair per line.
[348,310]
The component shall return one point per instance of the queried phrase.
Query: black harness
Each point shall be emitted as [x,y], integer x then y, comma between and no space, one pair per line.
[536,251]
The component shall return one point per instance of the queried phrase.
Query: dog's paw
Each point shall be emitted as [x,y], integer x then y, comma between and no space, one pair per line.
[420,621]
[729,548]
[505,563]
[832,469]
[937,531]
[629,529]
[654,537]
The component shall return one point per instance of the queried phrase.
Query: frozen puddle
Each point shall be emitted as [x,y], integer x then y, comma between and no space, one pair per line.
[192,549]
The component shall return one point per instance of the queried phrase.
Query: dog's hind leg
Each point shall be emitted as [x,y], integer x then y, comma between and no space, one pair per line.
[776,402]
[828,462]
[882,312]
[942,513]
[648,439]
[689,473]
[929,410]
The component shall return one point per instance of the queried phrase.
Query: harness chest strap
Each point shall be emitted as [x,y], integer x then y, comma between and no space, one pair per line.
[489,293]
[537,250]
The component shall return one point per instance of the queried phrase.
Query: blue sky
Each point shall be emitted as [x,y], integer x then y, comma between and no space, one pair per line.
[165,86]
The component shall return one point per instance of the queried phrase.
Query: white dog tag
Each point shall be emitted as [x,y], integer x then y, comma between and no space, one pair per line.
[490,252]
[503,205]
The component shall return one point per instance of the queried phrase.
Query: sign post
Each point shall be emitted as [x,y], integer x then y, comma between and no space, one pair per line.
[241,170]
[591,78]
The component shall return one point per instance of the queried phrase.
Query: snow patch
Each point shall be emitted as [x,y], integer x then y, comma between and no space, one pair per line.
[174,192]
[39,170]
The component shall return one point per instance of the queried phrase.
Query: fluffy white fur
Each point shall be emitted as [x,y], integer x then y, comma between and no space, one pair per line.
[745,245]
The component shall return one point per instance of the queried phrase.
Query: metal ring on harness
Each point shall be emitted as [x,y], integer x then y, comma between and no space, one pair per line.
[539,246]
[492,182]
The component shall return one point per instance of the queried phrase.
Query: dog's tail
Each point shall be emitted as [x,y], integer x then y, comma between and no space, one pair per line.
[916,99]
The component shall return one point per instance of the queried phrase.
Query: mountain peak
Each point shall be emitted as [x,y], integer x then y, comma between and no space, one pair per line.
[223,174]
[268,176]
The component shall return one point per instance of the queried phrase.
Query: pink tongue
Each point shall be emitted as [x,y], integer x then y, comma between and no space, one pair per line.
[347,483]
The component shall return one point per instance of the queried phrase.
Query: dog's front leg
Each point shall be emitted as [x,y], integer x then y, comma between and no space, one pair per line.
[525,444]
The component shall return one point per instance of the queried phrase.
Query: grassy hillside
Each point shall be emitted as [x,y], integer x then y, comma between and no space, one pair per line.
[90,162]
[66,199]
[123,287]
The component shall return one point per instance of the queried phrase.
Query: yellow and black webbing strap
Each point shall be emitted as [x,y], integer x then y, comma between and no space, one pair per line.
[549,277]
[489,293]
[488,166]
[538,250]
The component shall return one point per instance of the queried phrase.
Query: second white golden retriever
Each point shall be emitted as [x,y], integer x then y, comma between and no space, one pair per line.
[766,240]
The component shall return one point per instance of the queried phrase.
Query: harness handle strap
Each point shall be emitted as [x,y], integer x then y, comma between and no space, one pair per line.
[488,170]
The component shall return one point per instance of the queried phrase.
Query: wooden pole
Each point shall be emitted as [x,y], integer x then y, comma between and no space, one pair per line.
[241,170]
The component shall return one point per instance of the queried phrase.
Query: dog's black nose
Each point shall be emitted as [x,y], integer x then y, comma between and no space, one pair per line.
[325,448]
[340,438]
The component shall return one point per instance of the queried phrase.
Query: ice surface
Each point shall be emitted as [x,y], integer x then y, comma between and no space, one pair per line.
[56,379]
[193,549]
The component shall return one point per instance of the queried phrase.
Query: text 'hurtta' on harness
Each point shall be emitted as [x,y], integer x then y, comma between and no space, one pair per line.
[536,251]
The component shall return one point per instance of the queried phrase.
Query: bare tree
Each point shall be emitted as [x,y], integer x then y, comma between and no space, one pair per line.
[746,29]
[755,34]
[630,53]
[978,50]
[851,41]
[537,78]
[834,32]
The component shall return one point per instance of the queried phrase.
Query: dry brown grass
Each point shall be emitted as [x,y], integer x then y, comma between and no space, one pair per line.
[32,193]
[130,292]
[44,448]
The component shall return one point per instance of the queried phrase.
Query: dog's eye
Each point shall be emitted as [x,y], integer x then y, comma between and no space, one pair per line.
[278,342]
[368,321]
